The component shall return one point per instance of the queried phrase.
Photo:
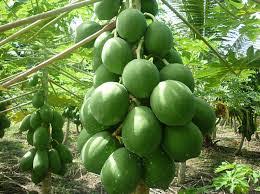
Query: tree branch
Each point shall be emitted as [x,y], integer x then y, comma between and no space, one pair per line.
[59,56]
[20,32]
[225,62]
[44,15]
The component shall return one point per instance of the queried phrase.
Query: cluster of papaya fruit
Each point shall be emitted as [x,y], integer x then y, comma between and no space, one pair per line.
[4,120]
[141,115]
[45,134]
[72,113]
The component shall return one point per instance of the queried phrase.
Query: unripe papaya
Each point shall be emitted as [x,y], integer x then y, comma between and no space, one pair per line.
[173,103]
[107,9]
[103,75]
[131,25]
[57,121]
[178,72]
[82,139]
[144,137]
[109,103]
[54,161]
[121,172]
[64,153]
[182,142]
[140,77]
[154,176]
[87,29]
[40,164]
[46,113]
[38,99]
[158,39]
[149,6]
[26,162]
[97,149]
[116,54]
[25,124]
[41,138]
[35,120]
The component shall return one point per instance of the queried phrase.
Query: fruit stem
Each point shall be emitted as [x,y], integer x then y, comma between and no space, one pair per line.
[150,15]
[117,131]
[133,99]
[115,33]
[139,48]
[165,62]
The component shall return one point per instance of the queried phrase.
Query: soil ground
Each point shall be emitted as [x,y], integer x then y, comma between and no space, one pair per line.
[77,180]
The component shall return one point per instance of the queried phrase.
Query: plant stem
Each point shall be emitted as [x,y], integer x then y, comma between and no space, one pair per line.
[165,62]
[59,56]
[46,184]
[67,132]
[150,15]
[139,48]
[238,151]
[225,62]
[44,15]
[181,172]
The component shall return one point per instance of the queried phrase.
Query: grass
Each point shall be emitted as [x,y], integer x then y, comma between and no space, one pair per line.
[77,180]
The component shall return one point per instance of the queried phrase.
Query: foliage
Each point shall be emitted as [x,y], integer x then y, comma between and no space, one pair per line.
[231,177]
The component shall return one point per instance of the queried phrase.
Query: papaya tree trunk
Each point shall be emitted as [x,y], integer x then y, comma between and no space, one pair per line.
[181,172]
[235,125]
[46,185]
[240,145]
[141,189]
[66,132]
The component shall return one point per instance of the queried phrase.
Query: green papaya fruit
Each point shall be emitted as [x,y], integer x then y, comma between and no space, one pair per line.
[116,54]
[57,121]
[38,99]
[36,178]
[25,124]
[86,29]
[26,162]
[121,172]
[57,135]
[131,25]
[154,176]
[173,103]
[178,72]
[158,39]
[103,75]
[97,149]
[88,121]
[109,103]
[204,117]
[33,81]
[88,93]
[182,142]
[40,164]
[140,77]
[97,60]
[46,113]
[41,138]
[144,137]
[64,153]
[149,6]
[82,139]
[63,170]
[101,40]
[35,120]
[107,9]
[54,161]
